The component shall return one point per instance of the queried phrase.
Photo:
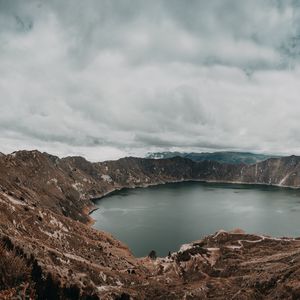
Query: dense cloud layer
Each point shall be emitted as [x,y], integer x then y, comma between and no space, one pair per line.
[110,78]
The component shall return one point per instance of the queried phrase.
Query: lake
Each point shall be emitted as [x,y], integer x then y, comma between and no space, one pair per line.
[163,217]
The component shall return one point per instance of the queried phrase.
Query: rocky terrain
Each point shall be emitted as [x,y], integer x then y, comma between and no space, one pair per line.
[48,249]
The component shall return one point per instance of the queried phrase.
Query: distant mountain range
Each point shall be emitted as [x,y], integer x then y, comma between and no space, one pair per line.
[222,156]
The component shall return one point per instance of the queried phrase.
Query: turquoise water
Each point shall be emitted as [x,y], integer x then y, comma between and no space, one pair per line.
[165,216]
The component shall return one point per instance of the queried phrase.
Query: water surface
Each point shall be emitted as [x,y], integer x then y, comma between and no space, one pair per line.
[165,216]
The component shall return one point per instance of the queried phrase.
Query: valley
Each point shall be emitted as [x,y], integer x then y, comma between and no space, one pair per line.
[44,221]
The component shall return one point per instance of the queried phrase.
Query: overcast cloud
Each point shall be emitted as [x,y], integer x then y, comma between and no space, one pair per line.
[105,79]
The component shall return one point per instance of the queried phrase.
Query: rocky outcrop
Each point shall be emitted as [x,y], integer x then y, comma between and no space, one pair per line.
[44,205]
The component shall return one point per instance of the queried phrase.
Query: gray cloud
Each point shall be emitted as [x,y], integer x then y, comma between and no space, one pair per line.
[105,79]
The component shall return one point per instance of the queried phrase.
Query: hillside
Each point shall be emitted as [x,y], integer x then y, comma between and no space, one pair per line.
[44,224]
[221,156]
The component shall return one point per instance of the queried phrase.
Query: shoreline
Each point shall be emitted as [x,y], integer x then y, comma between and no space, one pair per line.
[88,210]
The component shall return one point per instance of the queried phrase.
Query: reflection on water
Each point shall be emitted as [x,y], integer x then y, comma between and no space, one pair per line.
[166,216]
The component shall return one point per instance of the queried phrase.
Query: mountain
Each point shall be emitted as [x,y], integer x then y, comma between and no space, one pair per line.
[49,250]
[222,156]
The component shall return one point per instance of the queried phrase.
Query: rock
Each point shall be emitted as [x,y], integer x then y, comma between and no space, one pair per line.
[152,255]
[65,256]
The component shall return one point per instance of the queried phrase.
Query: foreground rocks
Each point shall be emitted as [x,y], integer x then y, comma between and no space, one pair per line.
[44,226]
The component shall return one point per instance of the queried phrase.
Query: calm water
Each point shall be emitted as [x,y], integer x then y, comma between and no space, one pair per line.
[166,216]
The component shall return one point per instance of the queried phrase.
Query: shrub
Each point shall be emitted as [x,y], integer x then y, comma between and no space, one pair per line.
[152,254]
[13,268]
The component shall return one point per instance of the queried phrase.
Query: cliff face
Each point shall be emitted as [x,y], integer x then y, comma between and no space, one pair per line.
[44,203]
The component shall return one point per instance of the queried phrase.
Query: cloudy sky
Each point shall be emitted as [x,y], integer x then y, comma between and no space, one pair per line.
[106,78]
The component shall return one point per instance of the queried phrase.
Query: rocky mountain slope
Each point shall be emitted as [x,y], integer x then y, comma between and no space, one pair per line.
[44,225]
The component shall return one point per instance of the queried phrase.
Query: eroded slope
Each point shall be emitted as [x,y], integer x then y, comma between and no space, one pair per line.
[44,203]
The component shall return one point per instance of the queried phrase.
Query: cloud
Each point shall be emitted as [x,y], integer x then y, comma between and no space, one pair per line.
[105,79]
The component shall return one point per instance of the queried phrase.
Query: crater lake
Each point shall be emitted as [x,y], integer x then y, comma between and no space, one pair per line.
[164,217]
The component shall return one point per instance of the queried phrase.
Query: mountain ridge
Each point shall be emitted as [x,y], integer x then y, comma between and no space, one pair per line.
[232,157]
[44,206]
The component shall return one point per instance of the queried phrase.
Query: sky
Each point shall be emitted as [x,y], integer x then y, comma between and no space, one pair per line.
[106,78]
